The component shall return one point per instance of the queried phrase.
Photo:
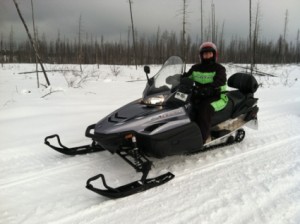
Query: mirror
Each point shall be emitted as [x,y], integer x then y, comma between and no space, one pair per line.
[146,69]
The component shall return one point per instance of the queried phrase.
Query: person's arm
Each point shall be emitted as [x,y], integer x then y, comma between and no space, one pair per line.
[189,73]
[219,78]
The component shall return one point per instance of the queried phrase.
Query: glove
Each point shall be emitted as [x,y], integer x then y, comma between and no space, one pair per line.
[184,74]
[184,89]
[204,92]
[186,85]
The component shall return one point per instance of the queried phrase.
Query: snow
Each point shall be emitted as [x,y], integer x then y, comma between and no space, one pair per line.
[255,181]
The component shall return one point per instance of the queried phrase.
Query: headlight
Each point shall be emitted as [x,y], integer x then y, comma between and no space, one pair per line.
[154,100]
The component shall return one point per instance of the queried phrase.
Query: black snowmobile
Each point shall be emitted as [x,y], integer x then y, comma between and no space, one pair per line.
[161,124]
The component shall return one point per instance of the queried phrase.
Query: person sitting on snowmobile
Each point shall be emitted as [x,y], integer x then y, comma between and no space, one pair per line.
[209,87]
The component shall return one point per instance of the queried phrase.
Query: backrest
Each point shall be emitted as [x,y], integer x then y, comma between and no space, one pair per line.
[244,82]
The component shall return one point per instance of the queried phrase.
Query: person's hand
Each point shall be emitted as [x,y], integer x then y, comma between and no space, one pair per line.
[204,92]
[186,85]
[184,74]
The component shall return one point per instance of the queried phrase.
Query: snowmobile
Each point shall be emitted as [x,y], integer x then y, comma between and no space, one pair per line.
[161,124]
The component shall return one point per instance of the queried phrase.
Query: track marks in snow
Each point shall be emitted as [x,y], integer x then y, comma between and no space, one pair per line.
[207,185]
[239,186]
[52,166]
[236,183]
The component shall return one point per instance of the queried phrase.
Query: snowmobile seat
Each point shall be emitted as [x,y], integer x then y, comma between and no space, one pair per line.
[238,100]
[223,115]
[242,106]
[236,97]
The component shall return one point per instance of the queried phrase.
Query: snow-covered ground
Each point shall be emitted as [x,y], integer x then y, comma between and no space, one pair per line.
[255,181]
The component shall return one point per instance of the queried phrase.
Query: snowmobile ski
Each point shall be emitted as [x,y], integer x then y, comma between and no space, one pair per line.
[79,150]
[135,158]
[128,189]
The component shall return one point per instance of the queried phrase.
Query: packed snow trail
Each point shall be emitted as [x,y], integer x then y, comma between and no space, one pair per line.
[255,181]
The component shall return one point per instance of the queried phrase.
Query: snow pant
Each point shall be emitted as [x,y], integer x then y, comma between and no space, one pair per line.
[203,112]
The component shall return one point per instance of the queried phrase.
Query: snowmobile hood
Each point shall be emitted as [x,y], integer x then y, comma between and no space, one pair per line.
[141,118]
[150,115]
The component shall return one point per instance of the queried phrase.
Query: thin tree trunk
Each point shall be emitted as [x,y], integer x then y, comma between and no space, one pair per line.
[1,49]
[298,47]
[133,36]
[250,36]
[256,32]
[213,24]
[79,44]
[35,41]
[201,21]
[284,37]
[184,30]
[31,41]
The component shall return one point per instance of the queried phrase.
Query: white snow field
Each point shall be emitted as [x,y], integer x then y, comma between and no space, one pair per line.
[255,181]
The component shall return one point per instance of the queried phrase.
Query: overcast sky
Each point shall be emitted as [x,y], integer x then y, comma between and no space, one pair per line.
[111,18]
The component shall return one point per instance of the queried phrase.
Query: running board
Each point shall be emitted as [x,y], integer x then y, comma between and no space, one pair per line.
[228,139]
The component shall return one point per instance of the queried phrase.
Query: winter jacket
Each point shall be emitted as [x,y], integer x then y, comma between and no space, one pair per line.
[212,77]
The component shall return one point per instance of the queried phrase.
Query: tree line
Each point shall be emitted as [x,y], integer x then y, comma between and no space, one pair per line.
[149,50]
[152,49]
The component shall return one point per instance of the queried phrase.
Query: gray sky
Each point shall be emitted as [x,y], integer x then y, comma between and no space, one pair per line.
[111,18]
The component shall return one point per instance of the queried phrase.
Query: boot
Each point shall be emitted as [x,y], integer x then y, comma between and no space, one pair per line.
[208,139]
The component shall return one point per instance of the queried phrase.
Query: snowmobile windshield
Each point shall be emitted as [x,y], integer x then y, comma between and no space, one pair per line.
[166,79]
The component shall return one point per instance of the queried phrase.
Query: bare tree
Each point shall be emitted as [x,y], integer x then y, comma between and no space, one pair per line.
[128,46]
[250,36]
[298,47]
[221,42]
[96,45]
[32,42]
[79,43]
[285,24]
[283,59]
[213,22]
[184,22]
[157,45]
[256,33]
[11,45]
[2,50]
[201,9]
[36,42]
[133,36]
